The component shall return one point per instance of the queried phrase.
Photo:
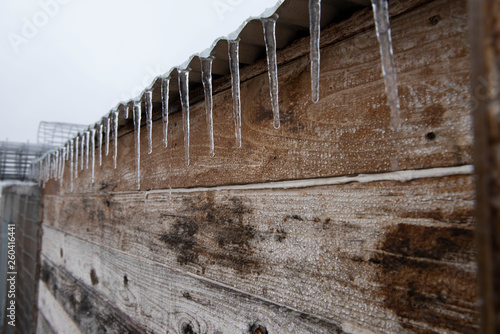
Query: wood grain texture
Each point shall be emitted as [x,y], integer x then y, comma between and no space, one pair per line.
[382,256]
[167,301]
[346,132]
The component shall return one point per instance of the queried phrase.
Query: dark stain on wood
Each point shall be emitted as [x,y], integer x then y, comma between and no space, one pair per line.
[187,329]
[416,284]
[93,277]
[224,224]
[433,115]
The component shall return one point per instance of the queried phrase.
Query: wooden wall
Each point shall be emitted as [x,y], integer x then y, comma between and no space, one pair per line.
[332,224]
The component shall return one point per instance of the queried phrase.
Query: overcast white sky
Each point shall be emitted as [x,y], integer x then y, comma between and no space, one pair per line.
[73,60]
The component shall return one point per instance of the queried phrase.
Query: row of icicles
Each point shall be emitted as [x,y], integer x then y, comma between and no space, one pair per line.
[52,164]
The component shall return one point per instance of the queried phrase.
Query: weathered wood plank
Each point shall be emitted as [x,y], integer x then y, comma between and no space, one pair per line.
[166,301]
[54,313]
[347,132]
[379,256]
[89,312]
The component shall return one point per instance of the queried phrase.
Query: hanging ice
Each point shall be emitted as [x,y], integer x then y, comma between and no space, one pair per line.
[87,147]
[206,78]
[71,166]
[183,76]
[115,124]
[314,30]
[149,119]
[108,123]
[234,66]
[126,111]
[82,150]
[76,156]
[382,25]
[92,144]
[269,26]
[165,83]
[100,143]
[137,131]
[62,164]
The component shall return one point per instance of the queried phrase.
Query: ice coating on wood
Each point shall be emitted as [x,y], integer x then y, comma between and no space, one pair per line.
[100,143]
[108,124]
[269,26]
[234,66]
[137,132]
[149,119]
[77,138]
[71,166]
[165,86]
[183,76]
[92,147]
[314,30]
[87,147]
[382,25]
[206,78]
[115,124]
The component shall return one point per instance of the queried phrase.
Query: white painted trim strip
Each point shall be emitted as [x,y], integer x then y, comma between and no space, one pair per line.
[401,176]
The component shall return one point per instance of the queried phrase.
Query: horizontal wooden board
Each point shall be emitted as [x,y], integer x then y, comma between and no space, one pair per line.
[383,256]
[164,300]
[346,132]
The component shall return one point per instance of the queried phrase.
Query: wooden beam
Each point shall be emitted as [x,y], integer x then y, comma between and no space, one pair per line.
[485,55]
[346,133]
[351,253]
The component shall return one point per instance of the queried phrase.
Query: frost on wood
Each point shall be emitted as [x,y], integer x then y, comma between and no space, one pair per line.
[314,30]
[149,119]
[382,25]
[234,66]
[137,132]
[206,78]
[269,26]
[165,86]
[183,76]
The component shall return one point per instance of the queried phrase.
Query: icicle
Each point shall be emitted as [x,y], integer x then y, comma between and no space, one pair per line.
[126,111]
[269,26]
[76,156]
[100,143]
[183,76]
[314,31]
[165,85]
[115,124]
[82,150]
[71,166]
[234,65]
[206,78]
[52,173]
[137,130]
[62,164]
[87,147]
[92,147]
[382,25]
[149,119]
[108,124]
